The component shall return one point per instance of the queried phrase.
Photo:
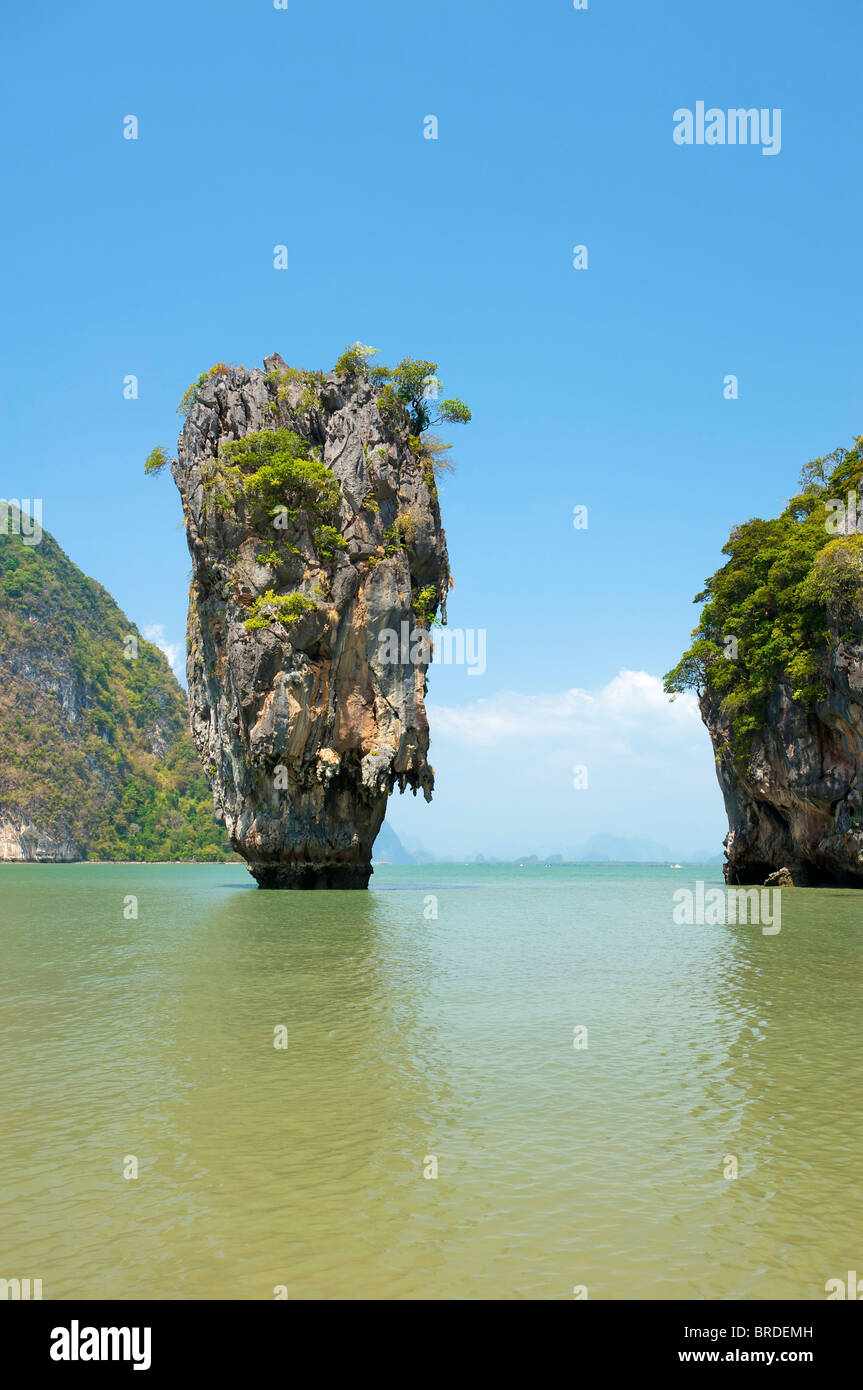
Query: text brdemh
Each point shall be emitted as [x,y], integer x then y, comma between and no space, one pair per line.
[737,126]
[719,907]
[449,647]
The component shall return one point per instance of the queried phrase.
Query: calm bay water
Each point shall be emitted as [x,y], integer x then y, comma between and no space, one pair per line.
[409,1037]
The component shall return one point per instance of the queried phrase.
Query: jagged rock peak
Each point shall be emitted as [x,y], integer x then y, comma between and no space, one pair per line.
[313,522]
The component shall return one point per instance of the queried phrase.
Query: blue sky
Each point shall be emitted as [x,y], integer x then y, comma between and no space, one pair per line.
[601,387]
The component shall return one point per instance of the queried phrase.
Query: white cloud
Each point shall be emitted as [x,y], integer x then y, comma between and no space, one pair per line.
[505,771]
[632,703]
[174,651]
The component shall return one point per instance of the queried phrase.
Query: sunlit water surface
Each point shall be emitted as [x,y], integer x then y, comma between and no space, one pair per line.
[412,1037]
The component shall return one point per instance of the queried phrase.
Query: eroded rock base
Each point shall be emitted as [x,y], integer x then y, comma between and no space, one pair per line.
[760,874]
[311,875]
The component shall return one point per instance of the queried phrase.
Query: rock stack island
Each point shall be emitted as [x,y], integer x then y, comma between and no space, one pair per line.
[312,517]
[777,664]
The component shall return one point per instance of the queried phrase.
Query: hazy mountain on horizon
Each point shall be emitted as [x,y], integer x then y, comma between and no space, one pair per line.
[388,848]
[600,848]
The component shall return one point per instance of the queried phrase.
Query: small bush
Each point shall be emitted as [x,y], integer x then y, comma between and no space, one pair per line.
[353,360]
[271,608]
[278,467]
[328,539]
[156,460]
[424,603]
[191,395]
[787,593]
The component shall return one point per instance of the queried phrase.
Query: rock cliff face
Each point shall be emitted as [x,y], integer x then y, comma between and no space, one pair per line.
[777,662]
[97,760]
[23,842]
[314,528]
[798,803]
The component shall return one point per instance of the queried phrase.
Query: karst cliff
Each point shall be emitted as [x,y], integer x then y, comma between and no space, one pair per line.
[97,759]
[777,662]
[319,564]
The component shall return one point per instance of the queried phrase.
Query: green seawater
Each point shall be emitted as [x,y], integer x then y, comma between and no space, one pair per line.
[412,1037]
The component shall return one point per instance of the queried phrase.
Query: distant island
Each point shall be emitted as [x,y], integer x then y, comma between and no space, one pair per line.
[599,849]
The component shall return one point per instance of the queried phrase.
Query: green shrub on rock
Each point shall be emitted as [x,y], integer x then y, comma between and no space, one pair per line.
[790,589]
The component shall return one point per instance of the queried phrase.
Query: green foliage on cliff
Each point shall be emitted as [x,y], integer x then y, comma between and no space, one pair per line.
[271,608]
[308,396]
[409,390]
[96,746]
[328,539]
[791,585]
[156,460]
[191,394]
[280,472]
[423,602]
[412,388]
[353,361]
[402,533]
[278,468]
